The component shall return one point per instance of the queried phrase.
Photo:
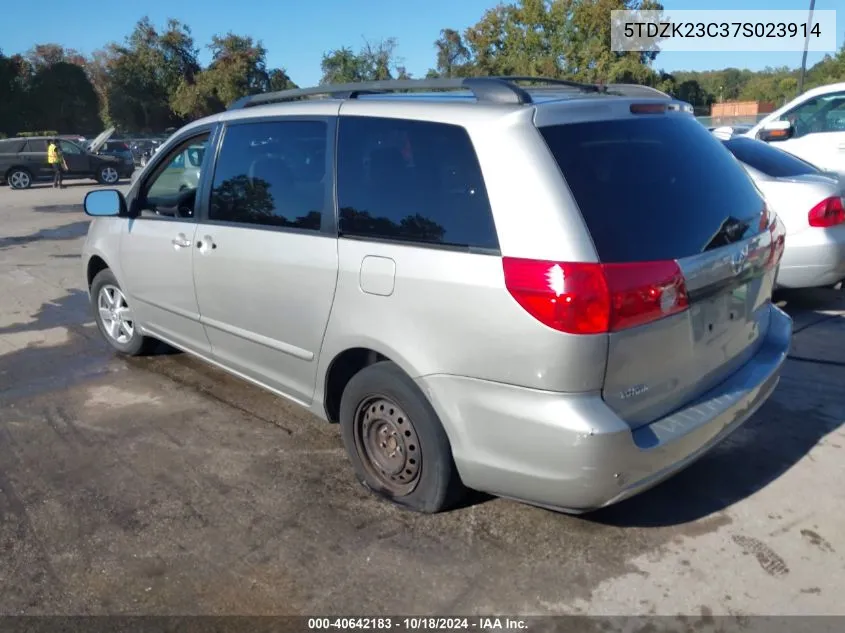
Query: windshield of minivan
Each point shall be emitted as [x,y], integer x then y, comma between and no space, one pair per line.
[767,159]
[653,188]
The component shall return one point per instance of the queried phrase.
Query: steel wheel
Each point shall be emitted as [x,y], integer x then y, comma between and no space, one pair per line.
[115,314]
[388,445]
[109,175]
[20,179]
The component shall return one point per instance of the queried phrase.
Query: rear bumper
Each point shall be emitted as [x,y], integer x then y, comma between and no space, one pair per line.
[813,258]
[571,452]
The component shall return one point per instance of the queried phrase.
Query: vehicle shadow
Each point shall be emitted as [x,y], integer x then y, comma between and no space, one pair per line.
[59,208]
[70,231]
[757,454]
[806,407]
[39,366]
[72,309]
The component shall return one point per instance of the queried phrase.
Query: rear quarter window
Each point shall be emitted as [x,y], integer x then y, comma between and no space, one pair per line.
[770,160]
[653,187]
[36,145]
[11,146]
[412,181]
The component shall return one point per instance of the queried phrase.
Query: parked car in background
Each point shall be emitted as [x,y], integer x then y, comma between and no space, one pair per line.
[117,148]
[23,161]
[183,171]
[79,140]
[811,127]
[478,287]
[142,149]
[809,202]
[729,131]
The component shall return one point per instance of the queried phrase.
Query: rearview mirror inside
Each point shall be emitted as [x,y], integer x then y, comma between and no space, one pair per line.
[776,131]
[104,202]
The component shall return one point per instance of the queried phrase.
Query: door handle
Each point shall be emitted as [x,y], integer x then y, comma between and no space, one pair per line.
[206,244]
[180,241]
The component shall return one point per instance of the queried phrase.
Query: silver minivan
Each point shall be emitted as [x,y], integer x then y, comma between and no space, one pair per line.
[558,292]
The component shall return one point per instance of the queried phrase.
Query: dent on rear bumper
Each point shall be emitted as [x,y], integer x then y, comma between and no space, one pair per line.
[571,452]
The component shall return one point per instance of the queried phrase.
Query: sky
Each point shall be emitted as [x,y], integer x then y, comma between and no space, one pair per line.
[296,34]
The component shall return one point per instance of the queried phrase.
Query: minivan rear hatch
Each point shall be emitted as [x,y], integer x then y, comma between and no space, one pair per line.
[658,187]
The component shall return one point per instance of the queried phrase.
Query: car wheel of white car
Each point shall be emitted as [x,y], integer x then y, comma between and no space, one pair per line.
[19,179]
[108,175]
[115,318]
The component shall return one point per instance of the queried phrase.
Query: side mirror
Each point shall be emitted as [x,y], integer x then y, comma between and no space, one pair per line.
[776,131]
[104,202]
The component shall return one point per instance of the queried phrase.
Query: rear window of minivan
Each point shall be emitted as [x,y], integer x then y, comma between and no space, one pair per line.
[653,187]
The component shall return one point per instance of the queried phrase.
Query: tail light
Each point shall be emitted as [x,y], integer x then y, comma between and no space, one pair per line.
[827,213]
[591,298]
[648,108]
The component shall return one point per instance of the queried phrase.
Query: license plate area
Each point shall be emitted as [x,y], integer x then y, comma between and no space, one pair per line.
[723,316]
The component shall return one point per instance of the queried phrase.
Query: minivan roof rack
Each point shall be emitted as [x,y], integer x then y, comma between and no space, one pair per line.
[502,90]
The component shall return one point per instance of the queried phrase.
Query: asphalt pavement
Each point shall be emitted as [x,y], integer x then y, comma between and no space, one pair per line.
[164,486]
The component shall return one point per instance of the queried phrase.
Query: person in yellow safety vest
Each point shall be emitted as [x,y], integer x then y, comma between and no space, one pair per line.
[56,160]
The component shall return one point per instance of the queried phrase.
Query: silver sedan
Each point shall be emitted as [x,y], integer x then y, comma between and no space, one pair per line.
[810,204]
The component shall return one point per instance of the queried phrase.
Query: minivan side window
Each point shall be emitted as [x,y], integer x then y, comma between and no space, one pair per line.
[271,173]
[412,181]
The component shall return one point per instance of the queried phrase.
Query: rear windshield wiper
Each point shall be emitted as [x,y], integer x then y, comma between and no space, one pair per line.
[731,230]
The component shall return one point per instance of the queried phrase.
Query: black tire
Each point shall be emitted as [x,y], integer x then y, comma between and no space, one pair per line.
[136,345]
[437,485]
[19,178]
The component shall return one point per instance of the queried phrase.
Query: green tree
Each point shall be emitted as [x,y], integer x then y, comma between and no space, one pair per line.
[279,80]
[829,70]
[62,98]
[453,57]
[771,85]
[49,90]
[372,63]
[14,104]
[145,72]
[47,55]
[553,38]
[587,49]
[692,92]
[98,67]
[238,68]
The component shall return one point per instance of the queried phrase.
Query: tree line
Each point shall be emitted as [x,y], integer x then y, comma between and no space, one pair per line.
[154,81]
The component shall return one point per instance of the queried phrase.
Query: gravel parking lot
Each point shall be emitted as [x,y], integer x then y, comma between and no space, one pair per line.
[163,486]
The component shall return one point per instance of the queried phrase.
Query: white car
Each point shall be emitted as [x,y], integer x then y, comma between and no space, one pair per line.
[810,204]
[729,131]
[811,127]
